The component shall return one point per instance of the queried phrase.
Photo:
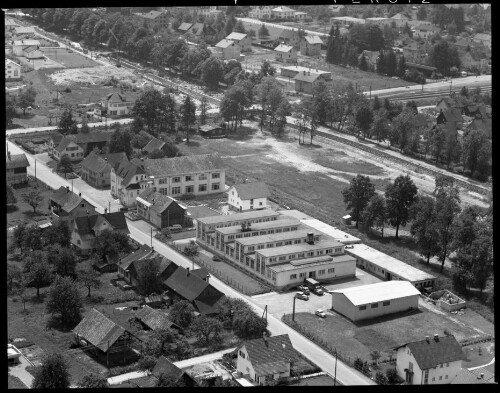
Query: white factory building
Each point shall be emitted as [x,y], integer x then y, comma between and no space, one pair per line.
[375,300]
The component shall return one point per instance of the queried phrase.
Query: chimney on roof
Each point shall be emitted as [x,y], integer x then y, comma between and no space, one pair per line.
[436,337]
[482,375]
[310,237]
[427,339]
[187,269]
[67,188]
[105,210]
[79,194]
[207,277]
[264,336]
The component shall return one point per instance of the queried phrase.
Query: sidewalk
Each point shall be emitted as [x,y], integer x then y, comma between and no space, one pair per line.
[202,359]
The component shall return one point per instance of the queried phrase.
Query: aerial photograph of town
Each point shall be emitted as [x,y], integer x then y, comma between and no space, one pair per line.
[238,196]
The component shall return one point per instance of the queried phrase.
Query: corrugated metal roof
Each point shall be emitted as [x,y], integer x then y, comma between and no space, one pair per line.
[184,164]
[239,216]
[304,247]
[378,292]
[257,226]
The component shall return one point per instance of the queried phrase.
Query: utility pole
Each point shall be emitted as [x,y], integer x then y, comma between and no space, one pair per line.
[293,314]
[335,377]
[35,169]
[370,92]
[109,205]
[151,237]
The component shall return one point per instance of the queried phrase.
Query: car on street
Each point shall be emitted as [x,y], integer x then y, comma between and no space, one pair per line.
[320,313]
[303,288]
[175,228]
[302,296]
[215,258]
[318,291]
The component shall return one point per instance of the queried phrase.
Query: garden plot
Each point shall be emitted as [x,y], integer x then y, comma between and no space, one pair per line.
[92,75]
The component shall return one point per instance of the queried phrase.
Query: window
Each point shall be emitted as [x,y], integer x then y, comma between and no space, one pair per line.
[338,249]
[164,191]
[447,364]
[269,245]
[189,178]
[251,201]
[321,272]
[279,244]
[215,175]
[203,176]
[189,189]
[282,258]
[446,376]
[301,255]
[272,259]
[176,190]
[215,186]
[260,203]
[302,275]
[163,181]
[361,308]
[79,242]
[202,187]
[374,305]
[440,377]
[260,247]
[293,276]
[386,303]
[288,242]
[433,379]
[177,179]
[440,366]
[310,254]
[251,248]
[331,270]
[328,250]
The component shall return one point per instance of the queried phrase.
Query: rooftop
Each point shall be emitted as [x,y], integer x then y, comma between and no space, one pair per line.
[310,262]
[153,144]
[378,292]
[273,237]
[224,43]
[238,217]
[251,190]
[349,19]
[282,9]
[279,223]
[283,48]
[333,232]
[389,263]
[304,247]
[16,161]
[161,167]
[313,39]
[236,36]
[27,42]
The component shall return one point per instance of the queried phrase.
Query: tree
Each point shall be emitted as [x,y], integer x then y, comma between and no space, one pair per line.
[188,114]
[182,313]
[163,337]
[476,152]
[239,27]
[93,381]
[84,128]
[447,208]
[64,299]
[166,381]
[233,105]
[10,109]
[421,13]
[423,227]
[88,277]
[33,198]
[65,165]
[148,279]
[207,330]
[380,378]
[18,236]
[147,363]
[62,259]
[249,325]
[364,118]
[363,65]
[266,69]
[14,276]
[120,142]
[212,71]
[203,109]
[52,374]
[111,243]
[26,98]
[380,127]
[375,213]
[37,270]
[11,197]
[67,125]
[400,196]
[443,57]
[392,373]
[437,141]
[21,292]
[58,233]
[357,195]
[263,32]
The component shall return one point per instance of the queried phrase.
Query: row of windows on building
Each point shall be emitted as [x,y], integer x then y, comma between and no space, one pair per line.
[304,254]
[261,233]
[375,305]
[187,189]
[177,179]
[320,273]
[236,223]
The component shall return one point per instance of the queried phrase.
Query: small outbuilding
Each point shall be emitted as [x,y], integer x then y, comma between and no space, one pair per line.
[375,300]
[347,219]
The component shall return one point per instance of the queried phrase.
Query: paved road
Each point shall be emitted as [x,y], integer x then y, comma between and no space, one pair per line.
[345,374]
[202,359]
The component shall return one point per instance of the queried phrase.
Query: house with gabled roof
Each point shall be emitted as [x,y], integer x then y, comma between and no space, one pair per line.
[310,45]
[153,144]
[203,31]
[400,19]
[96,168]
[155,19]
[282,12]
[65,205]
[432,361]
[16,168]
[484,124]
[472,377]
[86,228]
[242,39]
[483,38]
[285,54]
[160,210]
[153,319]
[12,70]
[129,267]
[128,179]
[69,148]
[265,359]
[100,332]
[307,81]
[166,367]
[19,46]
[446,103]
[184,27]
[199,292]
[114,104]
[227,50]
[76,147]
[452,115]
[248,196]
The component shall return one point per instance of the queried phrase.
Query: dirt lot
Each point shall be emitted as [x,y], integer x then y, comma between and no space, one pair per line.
[68,59]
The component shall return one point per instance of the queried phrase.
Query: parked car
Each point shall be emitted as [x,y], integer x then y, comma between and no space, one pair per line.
[175,228]
[320,313]
[215,258]
[301,295]
[303,288]
[318,291]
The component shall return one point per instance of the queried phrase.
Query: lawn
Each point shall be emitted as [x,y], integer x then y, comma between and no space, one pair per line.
[323,380]
[382,334]
[478,354]
[69,59]
[15,383]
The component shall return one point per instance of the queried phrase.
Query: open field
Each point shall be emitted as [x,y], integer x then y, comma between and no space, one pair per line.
[68,59]
[323,380]
[15,383]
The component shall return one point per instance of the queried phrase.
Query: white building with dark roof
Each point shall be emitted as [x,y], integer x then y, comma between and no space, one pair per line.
[375,300]
[285,54]
[248,196]
[242,39]
[227,50]
[12,70]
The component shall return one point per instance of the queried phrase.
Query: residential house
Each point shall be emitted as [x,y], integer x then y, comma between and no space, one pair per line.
[472,59]
[310,45]
[202,31]
[300,16]
[202,174]
[65,205]
[87,227]
[307,82]
[100,332]
[261,12]
[32,53]
[114,104]
[265,359]
[248,196]
[25,32]
[242,39]
[431,361]
[152,319]
[371,58]
[19,46]
[212,131]
[10,25]
[55,139]
[282,12]
[16,168]
[335,9]
[476,111]
[425,31]
[129,267]
[447,103]
[156,19]
[290,37]
[96,168]
[78,146]
[285,54]
[428,71]
[227,50]
[203,296]
[472,377]
[184,27]
[375,300]
[128,179]
[166,367]
[207,10]
[452,115]
[400,19]
[483,38]
[484,124]
[160,210]
[12,70]
[153,144]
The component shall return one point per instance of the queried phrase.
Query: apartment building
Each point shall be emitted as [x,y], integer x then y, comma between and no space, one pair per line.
[114,104]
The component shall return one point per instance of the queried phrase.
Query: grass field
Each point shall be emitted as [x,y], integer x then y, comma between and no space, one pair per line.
[15,383]
[382,334]
[323,380]
[69,59]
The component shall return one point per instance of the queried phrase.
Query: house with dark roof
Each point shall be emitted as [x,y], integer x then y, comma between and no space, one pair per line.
[400,19]
[96,168]
[129,267]
[16,168]
[128,179]
[248,196]
[310,45]
[87,228]
[371,58]
[166,367]
[160,210]
[202,31]
[153,144]
[432,361]
[114,104]
[197,291]
[210,131]
[69,148]
[481,124]
[65,205]
[78,146]
[102,334]
[242,39]
[152,319]
[472,377]
[266,359]
[476,111]
[446,103]
[307,81]
[155,19]
[453,116]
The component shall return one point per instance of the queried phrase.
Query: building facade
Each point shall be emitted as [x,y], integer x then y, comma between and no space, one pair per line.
[227,50]
[160,210]
[285,54]
[16,168]
[310,45]
[242,39]
[248,196]
[12,70]
[114,104]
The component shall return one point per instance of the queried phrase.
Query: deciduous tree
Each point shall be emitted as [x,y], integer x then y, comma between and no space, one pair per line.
[26,98]
[93,381]
[52,374]
[37,270]
[33,198]
[357,195]
[65,165]
[423,226]
[376,213]
[182,313]
[64,299]
[207,330]
[400,195]
[88,277]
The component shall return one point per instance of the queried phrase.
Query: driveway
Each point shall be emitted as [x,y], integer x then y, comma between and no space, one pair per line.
[282,303]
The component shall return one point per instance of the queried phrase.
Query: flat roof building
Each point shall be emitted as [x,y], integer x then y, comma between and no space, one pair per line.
[389,268]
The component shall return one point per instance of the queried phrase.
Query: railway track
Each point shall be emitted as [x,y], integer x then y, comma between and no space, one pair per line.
[426,95]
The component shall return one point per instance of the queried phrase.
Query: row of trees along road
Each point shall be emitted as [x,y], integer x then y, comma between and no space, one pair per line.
[439,226]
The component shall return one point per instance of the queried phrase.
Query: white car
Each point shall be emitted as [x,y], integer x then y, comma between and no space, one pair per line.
[320,313]
[301,295]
